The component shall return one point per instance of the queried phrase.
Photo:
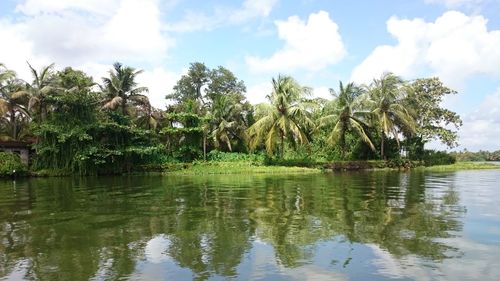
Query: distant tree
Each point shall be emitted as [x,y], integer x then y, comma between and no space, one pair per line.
[424,97]
[284,118]
[13,102]
[189,86]
[120,88]
[44,84]
[386,100]
[346,116]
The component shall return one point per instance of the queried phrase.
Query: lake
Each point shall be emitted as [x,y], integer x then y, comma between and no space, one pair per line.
[339,226]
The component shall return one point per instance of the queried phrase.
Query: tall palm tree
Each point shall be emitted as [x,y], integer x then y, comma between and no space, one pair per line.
[226,121]
[13,99]
[44,83]
[346,115]
[386,101]
[284,118]
[121,87]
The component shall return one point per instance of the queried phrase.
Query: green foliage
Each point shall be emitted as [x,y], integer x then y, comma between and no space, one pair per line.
[184,135]
[463,166]
[219,156]
[346,117]
[465,155]
[76,129]
[218,167]
[432,158]
[424,97]
[11,165]
[286,118]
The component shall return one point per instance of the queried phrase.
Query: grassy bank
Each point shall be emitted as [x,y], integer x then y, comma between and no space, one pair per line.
[200,168]
[462,166]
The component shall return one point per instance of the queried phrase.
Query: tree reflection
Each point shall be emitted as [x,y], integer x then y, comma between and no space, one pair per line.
[79,229]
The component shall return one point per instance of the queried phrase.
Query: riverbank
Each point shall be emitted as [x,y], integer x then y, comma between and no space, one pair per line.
[200,168]
[463,166]
[209,167]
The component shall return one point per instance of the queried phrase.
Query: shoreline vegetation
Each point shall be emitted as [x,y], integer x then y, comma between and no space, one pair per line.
[73,125]
[254,168]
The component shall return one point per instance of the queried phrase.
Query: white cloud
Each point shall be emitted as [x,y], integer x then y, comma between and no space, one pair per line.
[251,9]
[481,128]
[322,92]
[89,35]
[454,47]
[78,32]
[456,3]
[257,93]
[160,82]
[15,49]
[311,45]
[36,7]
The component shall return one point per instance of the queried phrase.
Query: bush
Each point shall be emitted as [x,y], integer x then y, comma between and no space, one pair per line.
[219,156]
[11,165]
[432,158]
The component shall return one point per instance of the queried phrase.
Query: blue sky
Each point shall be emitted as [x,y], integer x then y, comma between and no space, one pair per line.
[319,42]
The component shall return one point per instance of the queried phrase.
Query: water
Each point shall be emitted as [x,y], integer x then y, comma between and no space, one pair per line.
[348,226]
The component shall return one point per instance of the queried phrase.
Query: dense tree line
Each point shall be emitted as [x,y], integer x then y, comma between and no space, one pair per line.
[79,125]
[480,155]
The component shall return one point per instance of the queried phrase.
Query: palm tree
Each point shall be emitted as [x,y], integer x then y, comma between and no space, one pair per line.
[284,118]
[386,101]
[44,83]
[226,121]
[121,87]
[346,115]
[13,99]
[148,117]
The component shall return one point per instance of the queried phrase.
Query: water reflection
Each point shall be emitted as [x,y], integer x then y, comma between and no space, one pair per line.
[328,227]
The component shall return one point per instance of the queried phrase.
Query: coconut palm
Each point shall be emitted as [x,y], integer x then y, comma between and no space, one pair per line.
[346,115]
[386,102]
[284,118]
[121,87]
[13,100]
[148,117]
[226,121]
[44,83]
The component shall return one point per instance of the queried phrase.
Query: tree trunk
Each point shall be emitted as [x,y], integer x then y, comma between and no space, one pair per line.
[382,156]
[124,106]
[204,147]
[282,145]
[13,122]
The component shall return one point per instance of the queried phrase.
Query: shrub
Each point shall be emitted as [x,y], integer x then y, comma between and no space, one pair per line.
[11,165]
[219,156]
[432,158]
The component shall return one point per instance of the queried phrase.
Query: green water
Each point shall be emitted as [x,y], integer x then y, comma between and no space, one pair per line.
[349,226]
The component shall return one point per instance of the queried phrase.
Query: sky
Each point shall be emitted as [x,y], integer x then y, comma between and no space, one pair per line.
[318,42]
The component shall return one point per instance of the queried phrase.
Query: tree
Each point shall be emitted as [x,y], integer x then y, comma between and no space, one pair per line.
[223,82]
[227,124]
[424,96]
[284,118]
[121,87]
[387,103]
[13,101]
[44,84]
[189,87]
[148,117]
[346,116]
